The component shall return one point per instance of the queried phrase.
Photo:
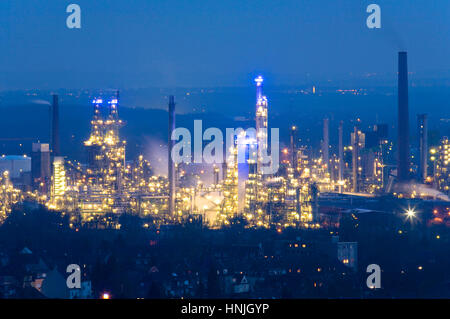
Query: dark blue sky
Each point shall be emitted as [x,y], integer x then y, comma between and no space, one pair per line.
[165,43]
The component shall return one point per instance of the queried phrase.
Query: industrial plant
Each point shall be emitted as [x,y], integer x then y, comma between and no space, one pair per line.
[302,193]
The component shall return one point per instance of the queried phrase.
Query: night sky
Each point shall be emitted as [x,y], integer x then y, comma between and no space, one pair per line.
[192,43]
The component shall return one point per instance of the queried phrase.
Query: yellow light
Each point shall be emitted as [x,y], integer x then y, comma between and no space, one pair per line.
[410,213]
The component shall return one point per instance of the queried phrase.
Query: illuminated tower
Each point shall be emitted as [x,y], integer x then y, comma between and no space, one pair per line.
[261,123]
[230,186]
[341,156]
[59,177]
[326,144]
[442,170]
[216,172]
[6,193]
[243,154]
[422,128]
[96,122]
[293,143]
[114,148]
[113,121]
[355,159]
[59,183]
[246,149]
[95,141]
[171,166]
[106,150]
[251,195]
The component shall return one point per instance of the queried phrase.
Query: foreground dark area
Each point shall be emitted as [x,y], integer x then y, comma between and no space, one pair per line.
[190,261]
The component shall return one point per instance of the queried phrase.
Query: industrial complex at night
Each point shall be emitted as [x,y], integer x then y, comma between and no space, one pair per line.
[224,155]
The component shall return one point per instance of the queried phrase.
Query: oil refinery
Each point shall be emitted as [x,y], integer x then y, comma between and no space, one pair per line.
[109,184]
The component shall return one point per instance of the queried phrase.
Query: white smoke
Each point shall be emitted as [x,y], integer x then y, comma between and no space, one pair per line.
[40,102]
[421,190]
[156,153]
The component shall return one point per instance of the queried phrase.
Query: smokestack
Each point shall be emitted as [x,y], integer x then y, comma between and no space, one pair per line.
[216,171]
[341,155]
[224,170]
[171,168]
[422,127]
[326,143]
[355,158]
[294,149]
[403,118]
[55,127]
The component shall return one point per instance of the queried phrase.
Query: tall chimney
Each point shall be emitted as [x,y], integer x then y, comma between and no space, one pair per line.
[171,168]
[294,149]
[341,155]
[403,118]
[216,172]
[422,127]
[326,143]
[355,159]
[55,127]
